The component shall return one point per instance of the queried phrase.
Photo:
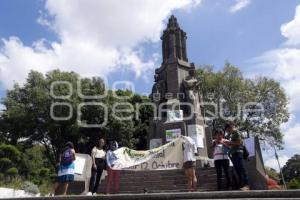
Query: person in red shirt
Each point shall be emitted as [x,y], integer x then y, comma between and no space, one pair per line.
[272,184]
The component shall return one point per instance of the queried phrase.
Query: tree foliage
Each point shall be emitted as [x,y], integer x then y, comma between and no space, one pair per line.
[293,184]
[272,173]
[258,106]
[291,170]
[27,116]
[9,159]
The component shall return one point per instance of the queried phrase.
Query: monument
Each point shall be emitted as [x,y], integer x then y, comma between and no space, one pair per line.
[175,94]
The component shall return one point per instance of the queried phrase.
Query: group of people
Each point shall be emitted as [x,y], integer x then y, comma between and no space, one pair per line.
[103,158]
[227,146]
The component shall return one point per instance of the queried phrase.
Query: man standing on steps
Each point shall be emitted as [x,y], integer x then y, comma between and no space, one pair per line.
[236,154]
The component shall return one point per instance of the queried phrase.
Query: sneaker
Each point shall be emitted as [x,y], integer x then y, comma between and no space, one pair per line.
[89,194]
[245,188]
[94,194]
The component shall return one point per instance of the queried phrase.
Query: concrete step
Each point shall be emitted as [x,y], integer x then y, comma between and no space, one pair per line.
[164,180]
[231,195]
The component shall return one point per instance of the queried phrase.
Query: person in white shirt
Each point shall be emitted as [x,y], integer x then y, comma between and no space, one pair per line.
[189,162]
[221,158]
[98,158]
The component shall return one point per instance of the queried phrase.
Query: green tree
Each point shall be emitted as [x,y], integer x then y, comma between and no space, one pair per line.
[27,113]
[233,93]
[291,170]
[35,165]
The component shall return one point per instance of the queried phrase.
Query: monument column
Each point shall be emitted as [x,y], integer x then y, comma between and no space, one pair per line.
[175,92]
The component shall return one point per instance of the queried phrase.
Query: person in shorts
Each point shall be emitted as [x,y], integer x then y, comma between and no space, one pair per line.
[66,168]
[189,162]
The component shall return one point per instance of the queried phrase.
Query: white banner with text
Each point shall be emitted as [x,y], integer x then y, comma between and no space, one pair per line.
[168,156]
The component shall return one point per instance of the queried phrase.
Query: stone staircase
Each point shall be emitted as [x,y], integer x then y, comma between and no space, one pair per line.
[163,181]
[230,195]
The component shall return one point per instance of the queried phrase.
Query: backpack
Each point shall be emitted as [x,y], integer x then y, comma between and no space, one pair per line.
[67,156]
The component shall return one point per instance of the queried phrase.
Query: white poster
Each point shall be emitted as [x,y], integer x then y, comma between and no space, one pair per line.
[172,134]
[174,115]
[154,143]
[79,164]
[196,132]
[250,145]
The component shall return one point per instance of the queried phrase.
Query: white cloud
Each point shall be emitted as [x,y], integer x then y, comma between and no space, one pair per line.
[272,162]
[291,30]
[239,5]
[95,37]
[283,64]
[292,137]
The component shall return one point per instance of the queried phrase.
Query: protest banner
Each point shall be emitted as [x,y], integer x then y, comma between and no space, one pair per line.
[166,157]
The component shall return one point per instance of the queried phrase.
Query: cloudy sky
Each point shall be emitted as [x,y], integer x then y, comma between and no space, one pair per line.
[121,40]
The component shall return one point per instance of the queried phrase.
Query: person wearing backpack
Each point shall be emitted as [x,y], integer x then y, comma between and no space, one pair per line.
[221,158]
[237,155]
[66,169]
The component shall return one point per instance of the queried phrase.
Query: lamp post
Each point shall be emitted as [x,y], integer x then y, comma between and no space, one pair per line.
[282,177]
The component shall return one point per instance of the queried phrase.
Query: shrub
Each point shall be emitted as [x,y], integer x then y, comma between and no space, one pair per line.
[34,173]
[44,172]
[294,184]
[30,187]
[46,188]
[11,182]
[10,151]
[12,172]
[4,164]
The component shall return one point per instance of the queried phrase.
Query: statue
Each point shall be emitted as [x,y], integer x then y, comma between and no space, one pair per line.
[158,89]
[190,85]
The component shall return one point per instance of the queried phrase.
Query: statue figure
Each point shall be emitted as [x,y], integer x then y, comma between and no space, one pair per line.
[158,89]
[190,85]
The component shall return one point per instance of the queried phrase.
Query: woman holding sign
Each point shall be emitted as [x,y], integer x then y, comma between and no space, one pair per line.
[189,159]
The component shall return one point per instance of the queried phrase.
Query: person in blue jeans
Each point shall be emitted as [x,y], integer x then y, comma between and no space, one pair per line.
[236,154]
